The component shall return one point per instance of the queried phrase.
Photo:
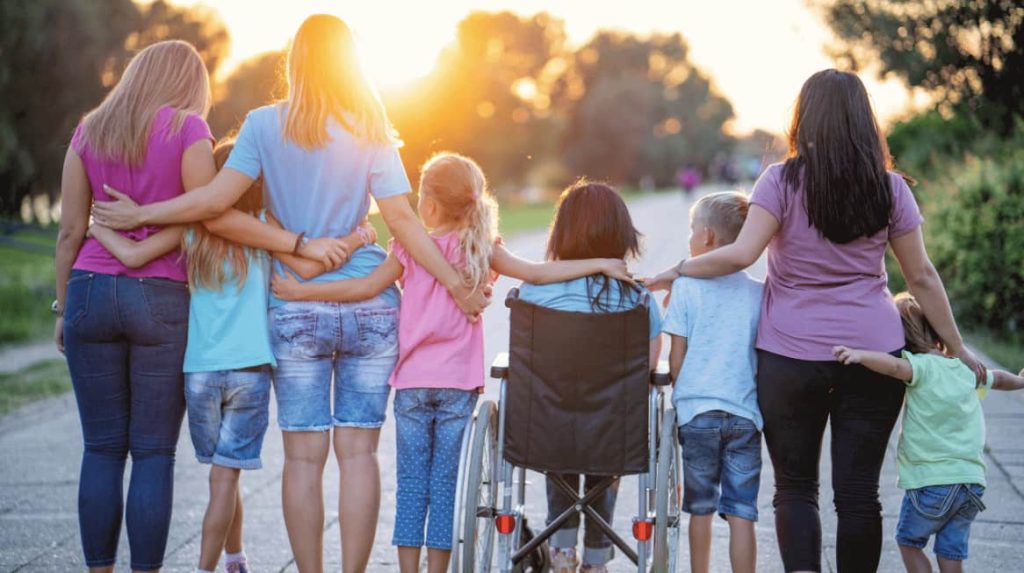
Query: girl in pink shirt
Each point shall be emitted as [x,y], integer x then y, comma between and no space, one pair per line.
[440,369]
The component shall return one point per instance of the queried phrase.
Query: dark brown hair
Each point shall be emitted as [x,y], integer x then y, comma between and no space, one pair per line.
[839,157]
[592,221]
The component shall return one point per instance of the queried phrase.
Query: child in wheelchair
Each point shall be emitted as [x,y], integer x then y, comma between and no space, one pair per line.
[440,369]
[713,324]
[591,220]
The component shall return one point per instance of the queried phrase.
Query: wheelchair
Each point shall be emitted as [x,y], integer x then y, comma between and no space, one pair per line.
[577,396]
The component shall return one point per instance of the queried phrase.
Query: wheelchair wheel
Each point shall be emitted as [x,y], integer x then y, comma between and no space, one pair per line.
[666,497]
[480,493]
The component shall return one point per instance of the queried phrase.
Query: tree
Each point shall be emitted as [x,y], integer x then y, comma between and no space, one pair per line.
[256,82]
[969,53]
[637,107]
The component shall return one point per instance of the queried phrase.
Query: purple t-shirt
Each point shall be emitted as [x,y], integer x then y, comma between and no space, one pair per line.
[819,294]
[157,178]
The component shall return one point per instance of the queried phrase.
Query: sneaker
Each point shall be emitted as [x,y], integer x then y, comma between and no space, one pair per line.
[563,560]
[236,567]
[594,569]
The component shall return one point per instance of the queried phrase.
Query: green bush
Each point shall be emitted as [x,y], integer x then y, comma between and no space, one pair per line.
[976,240]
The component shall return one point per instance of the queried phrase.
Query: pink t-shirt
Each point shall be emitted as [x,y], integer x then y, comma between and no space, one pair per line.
[437,346]
[157,178]
[819,294]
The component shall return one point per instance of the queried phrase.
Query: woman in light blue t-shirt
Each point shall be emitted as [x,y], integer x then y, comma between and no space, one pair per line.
[324,152]
[591,221]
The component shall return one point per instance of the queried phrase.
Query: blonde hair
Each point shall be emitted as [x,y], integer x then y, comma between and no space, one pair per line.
[207,253]
[325,80]
[920,337]
[725,212]
[458,185]
[165,74]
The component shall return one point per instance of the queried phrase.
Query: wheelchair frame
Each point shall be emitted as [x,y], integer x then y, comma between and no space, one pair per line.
[483,519]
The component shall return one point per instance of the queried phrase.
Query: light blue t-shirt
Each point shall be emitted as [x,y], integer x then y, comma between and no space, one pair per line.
[576,296]
[323,192]
[719,319]
[228,328]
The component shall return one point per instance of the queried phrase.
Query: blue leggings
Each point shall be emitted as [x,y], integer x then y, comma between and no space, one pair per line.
[429,424]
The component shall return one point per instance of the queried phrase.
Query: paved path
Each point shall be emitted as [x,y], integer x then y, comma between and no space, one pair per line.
[40,449]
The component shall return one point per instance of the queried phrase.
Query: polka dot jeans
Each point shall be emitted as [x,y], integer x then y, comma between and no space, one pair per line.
[429,423]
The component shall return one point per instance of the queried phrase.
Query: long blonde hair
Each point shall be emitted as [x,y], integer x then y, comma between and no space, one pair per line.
[458,185]
[165,74]
[325,80]
[207,253]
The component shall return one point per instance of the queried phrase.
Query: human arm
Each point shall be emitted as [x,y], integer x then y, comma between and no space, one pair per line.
[879,362]
[676,356]
[757,232]
[406,228]
[134,254]
[924,283]
[75,199]
[1003,380]
[286,287]
[504,262]
[308,269]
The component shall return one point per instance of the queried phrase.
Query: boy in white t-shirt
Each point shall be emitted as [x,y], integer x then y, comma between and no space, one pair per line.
[713,324]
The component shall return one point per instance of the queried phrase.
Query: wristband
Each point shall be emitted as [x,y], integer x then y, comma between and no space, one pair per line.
[299,242]
[679,267]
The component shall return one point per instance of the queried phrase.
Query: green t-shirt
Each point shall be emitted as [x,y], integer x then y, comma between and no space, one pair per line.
[943,436]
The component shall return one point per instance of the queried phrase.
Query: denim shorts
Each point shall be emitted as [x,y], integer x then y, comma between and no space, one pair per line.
[945,511]
[228,415]
[721,465]
[353,344]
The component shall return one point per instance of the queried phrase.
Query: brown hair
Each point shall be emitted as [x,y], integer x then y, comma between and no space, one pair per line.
[920,337]
[725,212]
[207,253]
[458,185]
[592,221]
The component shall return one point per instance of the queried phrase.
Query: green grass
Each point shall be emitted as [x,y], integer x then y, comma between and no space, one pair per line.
[26,288]
[38,381]
[1007,352]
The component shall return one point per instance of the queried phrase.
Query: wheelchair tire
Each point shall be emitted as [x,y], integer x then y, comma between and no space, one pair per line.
[481,492]
[666,498]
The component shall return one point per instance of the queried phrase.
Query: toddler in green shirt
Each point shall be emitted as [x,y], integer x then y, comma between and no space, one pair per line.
[940,452]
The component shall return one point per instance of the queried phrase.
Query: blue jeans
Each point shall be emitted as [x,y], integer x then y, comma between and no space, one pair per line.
[428,423]
[721,465]
[356,344]
[945,511]
[227,415]
[125,340]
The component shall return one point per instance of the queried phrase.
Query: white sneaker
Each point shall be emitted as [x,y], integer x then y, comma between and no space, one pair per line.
[563,560]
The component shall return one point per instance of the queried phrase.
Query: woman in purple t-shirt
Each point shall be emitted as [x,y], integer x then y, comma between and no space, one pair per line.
[828,212]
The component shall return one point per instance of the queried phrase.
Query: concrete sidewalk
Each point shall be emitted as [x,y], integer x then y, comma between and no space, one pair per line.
[40,446]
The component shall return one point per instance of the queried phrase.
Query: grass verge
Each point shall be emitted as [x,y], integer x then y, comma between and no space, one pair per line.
[1007,352]
[42,380]
[26,287]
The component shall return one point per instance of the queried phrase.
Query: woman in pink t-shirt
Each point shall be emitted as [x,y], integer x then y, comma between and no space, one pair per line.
[828,213]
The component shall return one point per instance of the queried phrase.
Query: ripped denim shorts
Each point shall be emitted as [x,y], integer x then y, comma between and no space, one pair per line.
[350,347]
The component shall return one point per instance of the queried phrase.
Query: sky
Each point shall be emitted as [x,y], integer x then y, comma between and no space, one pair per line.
[758,52]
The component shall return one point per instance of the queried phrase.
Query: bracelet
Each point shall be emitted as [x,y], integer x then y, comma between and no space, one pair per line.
[298,243]
[679,267]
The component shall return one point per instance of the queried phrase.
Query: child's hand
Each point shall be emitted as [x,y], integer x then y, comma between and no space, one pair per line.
[617,269]
[661,281]
[285,287]
[847,355]
[367,232]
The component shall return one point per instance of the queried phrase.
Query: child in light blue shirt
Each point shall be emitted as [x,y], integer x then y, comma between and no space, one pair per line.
[713,324]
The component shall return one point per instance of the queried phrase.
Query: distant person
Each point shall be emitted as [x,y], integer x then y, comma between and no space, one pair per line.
[829,212]
[440,370]
[942,446]
[689,178]
[713,324]
[324,153]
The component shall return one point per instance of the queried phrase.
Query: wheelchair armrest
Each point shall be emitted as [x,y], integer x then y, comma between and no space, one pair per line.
[660,375]
[499,368]
[513,295]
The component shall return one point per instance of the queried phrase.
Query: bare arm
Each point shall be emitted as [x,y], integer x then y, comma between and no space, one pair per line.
[676,356]
[655,351]
[757,232]
[504,262]
[134,254]
[348,290]
[308,269]
[924,283]
[880,362]
[407,229]
[75,200]
[1003,380]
